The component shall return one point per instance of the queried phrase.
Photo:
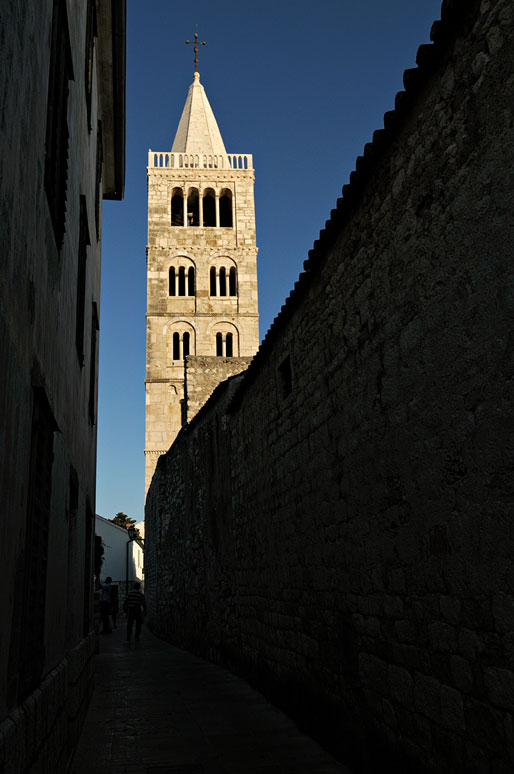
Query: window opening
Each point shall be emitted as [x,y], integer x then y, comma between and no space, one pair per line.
[176,346]
[193,217]
[229,345]
[191,281]
[209,209]
[223,281]
[226,211]
[91,33]
[219,345]
[177,208]
[185,345]
[32,651]
[81,281]
[172,281]
[57,136]
[181,281]
[213,280]
[232,282]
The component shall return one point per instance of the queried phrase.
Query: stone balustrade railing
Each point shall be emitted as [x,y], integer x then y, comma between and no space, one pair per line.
[199,161]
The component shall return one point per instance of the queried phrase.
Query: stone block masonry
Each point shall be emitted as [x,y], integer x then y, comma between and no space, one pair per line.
[42,732]
[62,129]
[337,523]
[202,376]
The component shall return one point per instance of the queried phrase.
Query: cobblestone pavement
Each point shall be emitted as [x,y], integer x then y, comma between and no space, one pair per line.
[159,710]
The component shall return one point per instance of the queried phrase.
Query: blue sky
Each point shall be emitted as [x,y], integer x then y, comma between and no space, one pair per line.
[300,85]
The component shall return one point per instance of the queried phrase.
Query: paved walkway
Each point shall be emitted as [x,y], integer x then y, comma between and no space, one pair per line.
[159,710]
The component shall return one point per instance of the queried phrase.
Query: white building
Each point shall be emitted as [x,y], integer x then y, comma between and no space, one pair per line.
[123,559]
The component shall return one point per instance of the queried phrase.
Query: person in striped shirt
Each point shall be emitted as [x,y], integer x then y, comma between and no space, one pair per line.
[136,608]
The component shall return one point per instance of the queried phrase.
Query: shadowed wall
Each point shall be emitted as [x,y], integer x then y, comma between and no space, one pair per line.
[337,523]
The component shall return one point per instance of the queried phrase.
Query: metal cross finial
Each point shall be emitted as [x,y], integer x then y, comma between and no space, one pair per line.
[196,42]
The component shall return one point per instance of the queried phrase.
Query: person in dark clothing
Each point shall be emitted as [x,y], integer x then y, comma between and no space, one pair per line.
[136,608]
[105,605]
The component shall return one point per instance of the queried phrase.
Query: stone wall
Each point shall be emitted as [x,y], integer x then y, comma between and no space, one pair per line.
[42,732]
[202,376]
[52,181]
[340,528]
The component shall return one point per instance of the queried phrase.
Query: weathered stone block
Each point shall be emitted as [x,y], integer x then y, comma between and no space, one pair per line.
[462,674]
[452,709]
[503,612]
[484,725]
[442,637]
[427,696]
[499,684]
[401,685]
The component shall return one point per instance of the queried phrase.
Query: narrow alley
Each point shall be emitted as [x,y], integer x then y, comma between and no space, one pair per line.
[156,708]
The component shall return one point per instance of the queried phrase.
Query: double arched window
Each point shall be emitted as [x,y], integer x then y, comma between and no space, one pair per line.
[224,344]
[226,339]
[223,279]
[206,208]
[181,345]
[181,280]
[181,337]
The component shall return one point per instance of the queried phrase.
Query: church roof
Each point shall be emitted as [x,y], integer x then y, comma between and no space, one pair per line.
[197,130]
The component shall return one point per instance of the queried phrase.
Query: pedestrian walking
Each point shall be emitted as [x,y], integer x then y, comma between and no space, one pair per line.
[105,605]
[135,607]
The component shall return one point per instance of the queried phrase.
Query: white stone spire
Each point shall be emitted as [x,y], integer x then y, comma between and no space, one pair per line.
[198,131]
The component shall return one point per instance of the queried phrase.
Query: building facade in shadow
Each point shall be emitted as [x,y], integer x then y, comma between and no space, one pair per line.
[63,151]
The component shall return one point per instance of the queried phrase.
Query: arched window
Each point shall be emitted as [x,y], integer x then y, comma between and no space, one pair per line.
[226,209]
[223,281]
[209,208]
[176,346]
[191,281]
[232,284]
[181,281]
[177,207]
[193,211]
[183,344]
[227,340]
[182,277]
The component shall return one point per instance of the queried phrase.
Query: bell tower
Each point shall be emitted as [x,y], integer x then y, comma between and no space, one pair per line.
[201,264]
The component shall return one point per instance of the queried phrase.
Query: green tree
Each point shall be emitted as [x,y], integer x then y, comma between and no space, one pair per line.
[122,520]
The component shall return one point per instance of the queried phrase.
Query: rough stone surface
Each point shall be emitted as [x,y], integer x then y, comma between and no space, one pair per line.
[344,536]
[203,374]
[42,732]
[49,360]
